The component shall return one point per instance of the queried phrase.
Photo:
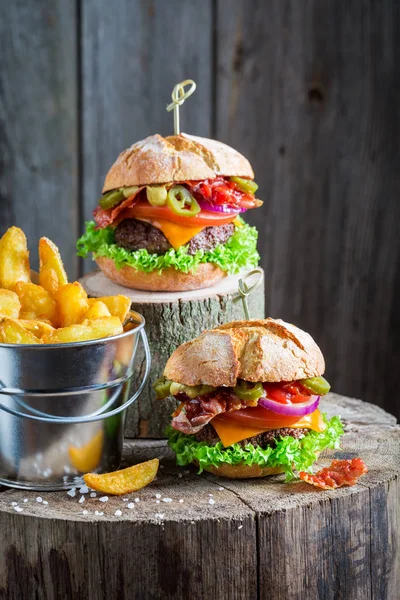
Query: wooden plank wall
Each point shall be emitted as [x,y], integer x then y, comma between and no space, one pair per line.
[309,90]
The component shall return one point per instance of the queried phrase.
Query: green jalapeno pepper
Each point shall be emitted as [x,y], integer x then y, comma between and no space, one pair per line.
[249,391]
[162,387]
[181,202]
[190,390]
[156,195]
[111,199]
[129,191]
[317,385]
[245,185]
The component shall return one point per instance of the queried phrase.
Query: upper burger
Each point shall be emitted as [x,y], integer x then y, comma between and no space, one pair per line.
[249,394]
[169,215]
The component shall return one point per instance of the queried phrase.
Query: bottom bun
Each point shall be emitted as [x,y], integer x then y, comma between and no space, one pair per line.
[169,280]
[243,471]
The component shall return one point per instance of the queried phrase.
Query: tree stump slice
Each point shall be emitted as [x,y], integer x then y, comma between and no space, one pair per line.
[217,538]
[172,318]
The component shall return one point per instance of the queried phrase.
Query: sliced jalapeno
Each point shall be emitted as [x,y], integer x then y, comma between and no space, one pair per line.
[249,391]
[317,385]
[156,195]
[190,390]
[110,199]
[246,185]
[181,202]
[162,387]
[129,191]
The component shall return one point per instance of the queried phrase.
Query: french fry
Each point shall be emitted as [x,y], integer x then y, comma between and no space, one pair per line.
[96,310]
[36,302]
[39,327]
[52,274]
[72,304]
[119,306]
[12,332]
[9,304]
[89,330]
[87,457]
[124,481]
[14,258]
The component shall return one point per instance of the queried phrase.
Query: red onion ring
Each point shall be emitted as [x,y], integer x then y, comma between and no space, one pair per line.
[220,208]
[291,410]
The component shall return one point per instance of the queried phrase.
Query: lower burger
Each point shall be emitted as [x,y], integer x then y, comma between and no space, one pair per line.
[248,395]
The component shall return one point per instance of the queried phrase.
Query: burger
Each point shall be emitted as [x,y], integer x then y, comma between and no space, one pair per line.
[248,395]
[170,215]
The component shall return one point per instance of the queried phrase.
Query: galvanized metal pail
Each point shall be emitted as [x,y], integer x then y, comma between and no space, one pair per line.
[63,406]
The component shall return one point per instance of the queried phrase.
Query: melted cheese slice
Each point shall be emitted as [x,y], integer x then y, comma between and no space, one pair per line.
[231,432]
[177,235]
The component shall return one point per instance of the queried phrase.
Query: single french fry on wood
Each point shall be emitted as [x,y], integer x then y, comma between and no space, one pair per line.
[12,332]
[52,274]
[14,258]
[89,330]
[72,304]
[124,481]
[119,306]
[97,309]
[9,304]
[36,302]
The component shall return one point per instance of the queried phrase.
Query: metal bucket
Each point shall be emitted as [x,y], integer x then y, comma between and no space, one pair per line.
[63,406]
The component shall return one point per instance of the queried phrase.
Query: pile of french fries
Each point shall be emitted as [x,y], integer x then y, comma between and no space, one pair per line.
[43,308]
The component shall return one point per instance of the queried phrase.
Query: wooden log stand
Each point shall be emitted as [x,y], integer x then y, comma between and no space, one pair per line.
[171,319]
[190,536]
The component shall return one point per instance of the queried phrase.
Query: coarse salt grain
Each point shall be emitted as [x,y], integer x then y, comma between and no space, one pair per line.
[72,492]
[18,508]
[93,494]
[98,513]
[84,512]
[167,499]
[125,499]
[84,489]
[39,499]
[118,513]
[180,475]
[14,503]
[211,495]
[160,515]
[131,505]
[81,499]
[157,502]
[221,489]
[158,495]
[104,499]
[240,526]
[211,501]
[45,502]
[25,500]
[181,500]
[137,499]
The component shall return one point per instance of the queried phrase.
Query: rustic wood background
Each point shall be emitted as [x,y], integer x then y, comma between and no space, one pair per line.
[309,90]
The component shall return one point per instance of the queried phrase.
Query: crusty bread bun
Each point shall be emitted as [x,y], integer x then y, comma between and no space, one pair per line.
[170,280]
[255,350]
[175,158]
[242,471]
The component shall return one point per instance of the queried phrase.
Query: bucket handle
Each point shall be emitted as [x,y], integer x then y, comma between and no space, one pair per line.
[94,417]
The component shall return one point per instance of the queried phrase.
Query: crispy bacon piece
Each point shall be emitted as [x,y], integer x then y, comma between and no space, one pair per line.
[104,217]
[340,473]
[193,414]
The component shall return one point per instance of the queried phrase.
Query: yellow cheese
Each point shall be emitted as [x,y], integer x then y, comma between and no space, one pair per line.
[231,431]
[177,235]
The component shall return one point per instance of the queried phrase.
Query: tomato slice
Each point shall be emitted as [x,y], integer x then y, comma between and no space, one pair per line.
[258,417]
[202,219]
[287,393]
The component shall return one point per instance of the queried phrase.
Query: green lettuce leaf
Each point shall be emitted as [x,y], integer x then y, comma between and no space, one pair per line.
[289,453]
[239,252]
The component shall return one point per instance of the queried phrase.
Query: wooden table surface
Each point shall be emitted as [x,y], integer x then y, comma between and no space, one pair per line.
[190,536]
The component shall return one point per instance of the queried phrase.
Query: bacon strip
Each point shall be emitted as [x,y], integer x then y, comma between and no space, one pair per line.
[195,413]
[104,217]
[341,472]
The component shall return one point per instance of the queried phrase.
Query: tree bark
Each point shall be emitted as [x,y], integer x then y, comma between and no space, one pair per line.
[172,318]
[197,537]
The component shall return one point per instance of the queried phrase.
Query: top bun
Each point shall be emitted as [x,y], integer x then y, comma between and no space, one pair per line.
[175,158]
[255,350]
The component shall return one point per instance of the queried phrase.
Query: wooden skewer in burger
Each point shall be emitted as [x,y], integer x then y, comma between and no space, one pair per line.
[169,217]
[249,393]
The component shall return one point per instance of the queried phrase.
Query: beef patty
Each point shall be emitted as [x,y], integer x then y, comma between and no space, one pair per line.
[268,438]
[133,235]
